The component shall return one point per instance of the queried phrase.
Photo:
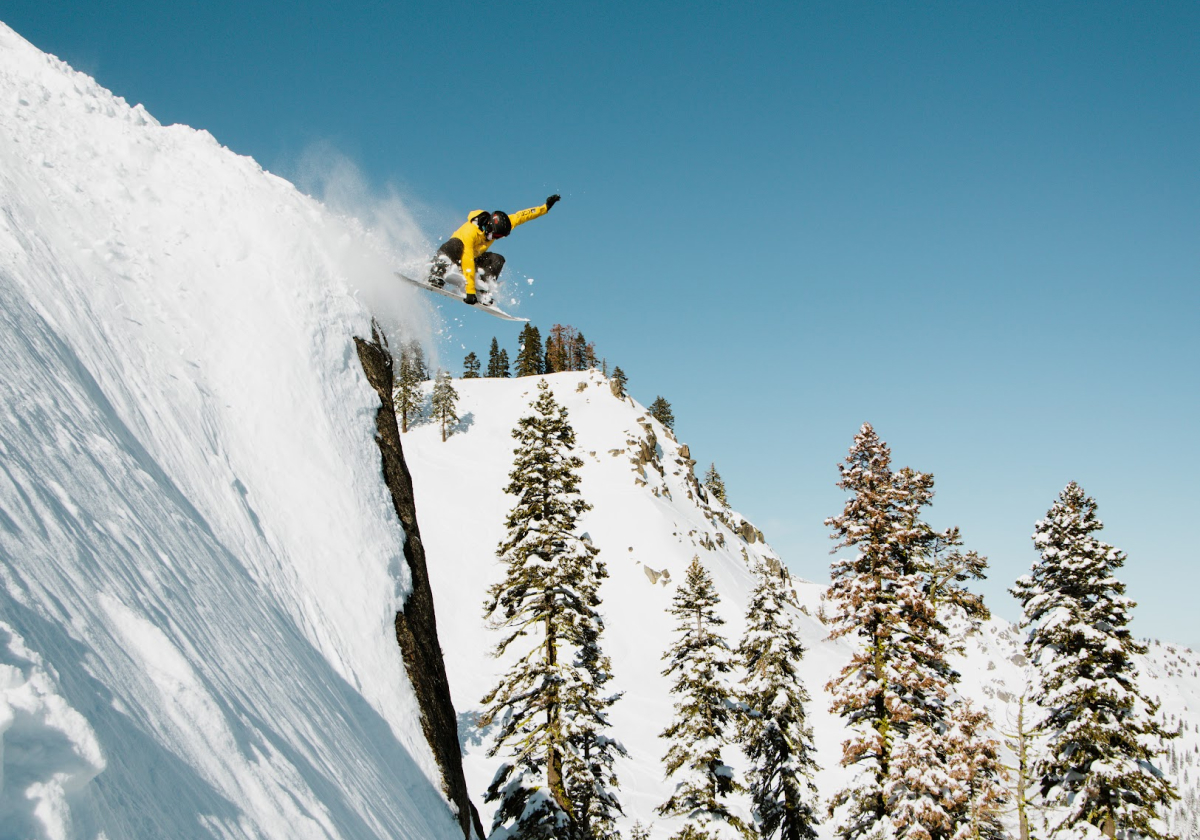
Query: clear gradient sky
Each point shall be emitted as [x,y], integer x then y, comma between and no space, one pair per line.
[974,225]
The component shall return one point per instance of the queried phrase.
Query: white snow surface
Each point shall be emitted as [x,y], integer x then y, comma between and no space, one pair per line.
[199,562]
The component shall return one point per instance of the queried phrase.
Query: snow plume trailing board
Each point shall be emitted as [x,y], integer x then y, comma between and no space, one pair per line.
[416,624]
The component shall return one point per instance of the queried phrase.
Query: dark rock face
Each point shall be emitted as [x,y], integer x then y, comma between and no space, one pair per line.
[416,625]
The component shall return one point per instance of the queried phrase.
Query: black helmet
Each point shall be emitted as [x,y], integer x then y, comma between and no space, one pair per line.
[499,225]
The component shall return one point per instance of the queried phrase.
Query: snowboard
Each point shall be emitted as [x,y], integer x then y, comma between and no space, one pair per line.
[455,288]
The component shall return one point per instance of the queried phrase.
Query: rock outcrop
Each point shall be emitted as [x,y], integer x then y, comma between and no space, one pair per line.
[416,624]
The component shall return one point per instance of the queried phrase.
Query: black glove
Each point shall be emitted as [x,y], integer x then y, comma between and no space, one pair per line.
[470,300]
[552,200]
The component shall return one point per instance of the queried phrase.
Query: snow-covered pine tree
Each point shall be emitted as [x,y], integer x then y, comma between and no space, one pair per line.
[443,402]
[408,396]
[774,732]
[714,484]
[591,778]
[471,366]
[416,355]
[548,707]
[660,410]
[700,661]
[1102,737]
[896,690]
[529,358]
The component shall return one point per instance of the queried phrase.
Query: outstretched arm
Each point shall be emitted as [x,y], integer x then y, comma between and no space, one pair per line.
[533,212]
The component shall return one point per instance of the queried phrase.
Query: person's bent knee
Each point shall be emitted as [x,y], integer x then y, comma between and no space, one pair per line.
[453,250]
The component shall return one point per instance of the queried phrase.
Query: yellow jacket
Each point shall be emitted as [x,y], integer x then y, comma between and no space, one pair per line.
[475,243]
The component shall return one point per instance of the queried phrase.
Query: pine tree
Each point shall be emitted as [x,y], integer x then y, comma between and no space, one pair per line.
[496,369]
[584,353]
[896,691]
[549,707]
[618,383]
[443,401]
[1101,734]
[408,395]
[502,365]
[714,484]
[471,366]
[416,355]
[558,349]
[774,731]
[700,661]
[660,410]
[529,357]
[592,780]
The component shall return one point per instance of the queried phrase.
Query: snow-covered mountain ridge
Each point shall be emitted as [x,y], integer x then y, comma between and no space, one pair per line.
[649,519]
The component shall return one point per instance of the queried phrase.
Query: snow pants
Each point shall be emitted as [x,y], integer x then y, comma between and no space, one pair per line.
[488,265]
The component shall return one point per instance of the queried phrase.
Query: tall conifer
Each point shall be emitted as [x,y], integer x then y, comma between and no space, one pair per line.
[897,690]
[494,368]
[774,733]
[471,366]
[591,778]
[1101,735]
[408,395]
[559,346]
[443,402]
[529,357]
[416,356]
[551,713]
[700,661]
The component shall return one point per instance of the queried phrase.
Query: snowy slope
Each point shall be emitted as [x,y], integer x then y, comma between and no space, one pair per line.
[199,561]
[648,524]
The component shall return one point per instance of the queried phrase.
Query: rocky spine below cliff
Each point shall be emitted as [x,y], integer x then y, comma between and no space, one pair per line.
[416,624]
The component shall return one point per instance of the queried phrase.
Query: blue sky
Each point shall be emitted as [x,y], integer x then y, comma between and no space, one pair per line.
[974,225]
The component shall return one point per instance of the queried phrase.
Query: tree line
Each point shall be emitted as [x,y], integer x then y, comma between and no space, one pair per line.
[924,762]
[564,349]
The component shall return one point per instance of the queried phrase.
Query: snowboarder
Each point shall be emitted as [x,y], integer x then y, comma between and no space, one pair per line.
[468,247]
